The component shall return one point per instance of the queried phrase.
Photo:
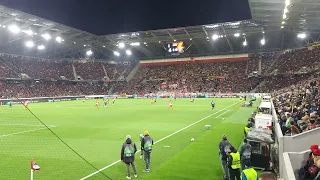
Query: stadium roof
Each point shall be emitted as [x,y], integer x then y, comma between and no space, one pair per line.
[268,23]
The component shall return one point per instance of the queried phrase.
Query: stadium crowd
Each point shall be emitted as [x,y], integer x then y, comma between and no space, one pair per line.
[191,77]
[298,106]
[267,60]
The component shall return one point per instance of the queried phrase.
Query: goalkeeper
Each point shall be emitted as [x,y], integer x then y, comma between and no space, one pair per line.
[141,137]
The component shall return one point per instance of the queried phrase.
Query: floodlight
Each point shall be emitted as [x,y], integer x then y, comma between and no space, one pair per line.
[159,41]
[302,35]
[128,52]
[284,16]
[41,47]
[236,34]
[283,22]
[285,10]
[58,39]
[116,53]
[282,27]
[215,37]
[89,53]
[84,45]
[29,44]
[121,45]
[46,36]
[174,40]
[135,44]
[145,43]
[245,43]
[287,2]
[190,39]
[29,32]
[263,41]
[103,46]
[14,28]
[263,32]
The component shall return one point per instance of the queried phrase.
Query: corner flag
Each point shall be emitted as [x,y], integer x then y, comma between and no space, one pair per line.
[34,167]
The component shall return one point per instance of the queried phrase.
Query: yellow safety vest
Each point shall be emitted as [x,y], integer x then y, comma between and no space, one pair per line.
[250,174]
[236,164]
[246,129]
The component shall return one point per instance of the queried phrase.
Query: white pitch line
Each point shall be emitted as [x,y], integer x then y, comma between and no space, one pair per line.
[116,162]
[223,113]
[31,125]
[22,132]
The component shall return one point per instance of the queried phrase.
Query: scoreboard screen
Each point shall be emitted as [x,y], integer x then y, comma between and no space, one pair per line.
[175,48]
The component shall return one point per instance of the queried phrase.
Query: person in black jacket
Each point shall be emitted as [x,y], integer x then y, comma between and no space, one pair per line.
[128,151]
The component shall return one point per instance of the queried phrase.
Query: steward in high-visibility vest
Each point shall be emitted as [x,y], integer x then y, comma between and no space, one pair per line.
[127,155]
[246,129]
[146,147]
[234,164]
[249,173]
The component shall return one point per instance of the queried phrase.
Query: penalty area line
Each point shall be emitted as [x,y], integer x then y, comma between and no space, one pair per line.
[116,162]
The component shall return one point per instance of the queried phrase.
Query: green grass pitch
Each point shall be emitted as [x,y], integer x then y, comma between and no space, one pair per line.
[97,135]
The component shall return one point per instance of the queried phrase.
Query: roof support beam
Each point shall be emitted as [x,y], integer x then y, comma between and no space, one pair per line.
[45,28]
[224,31]
[194,42]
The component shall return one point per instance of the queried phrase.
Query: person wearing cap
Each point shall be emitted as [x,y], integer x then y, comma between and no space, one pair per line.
[127,155]
[146,147]
[224,149]
[245,153]
[249,173]
[140,137]
[234,164]
[304,171]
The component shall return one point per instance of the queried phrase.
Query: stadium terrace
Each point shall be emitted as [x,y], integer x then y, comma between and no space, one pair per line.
[215,101]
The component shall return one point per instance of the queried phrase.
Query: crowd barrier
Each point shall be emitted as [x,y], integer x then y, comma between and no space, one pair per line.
[290,148]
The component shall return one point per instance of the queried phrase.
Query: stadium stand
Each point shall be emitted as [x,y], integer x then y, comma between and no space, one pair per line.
[89,70]
[267,60]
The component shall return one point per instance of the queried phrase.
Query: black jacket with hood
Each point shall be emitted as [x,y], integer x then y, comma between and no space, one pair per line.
[128,159]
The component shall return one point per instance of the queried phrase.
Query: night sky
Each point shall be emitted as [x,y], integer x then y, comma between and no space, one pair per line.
[110,17]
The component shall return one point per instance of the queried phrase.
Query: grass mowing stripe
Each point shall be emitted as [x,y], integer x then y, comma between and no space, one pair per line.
[112,164]
[22,132]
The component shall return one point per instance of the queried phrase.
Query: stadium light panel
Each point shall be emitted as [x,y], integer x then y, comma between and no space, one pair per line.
[128,52]
[135,44]
[283,22]
[89,53]
[29,32]
[285,10]
[41,47]
[58,39]
[190,39]
[284,16]
[236,34]
[46,36]
[4,26]
[29,44]
[103,46]
[159,41]
[116,53]
[287,3]
[282,27]
[14,28]
[215,37]
[121,45]
[245,43]
[302,35]
[145,43]
[263,41]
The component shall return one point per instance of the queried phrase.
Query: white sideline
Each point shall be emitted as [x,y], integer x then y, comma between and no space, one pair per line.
[116,162]
[31,125]
[22,132]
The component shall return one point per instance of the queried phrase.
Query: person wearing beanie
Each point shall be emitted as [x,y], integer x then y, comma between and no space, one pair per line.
[146,147]
[234,164]
[248,173]
[128,151]
[224,149]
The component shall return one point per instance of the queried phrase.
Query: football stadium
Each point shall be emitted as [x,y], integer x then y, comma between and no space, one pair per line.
[228,100]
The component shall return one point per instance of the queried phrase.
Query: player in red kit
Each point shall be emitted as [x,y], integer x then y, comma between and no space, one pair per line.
[26,104]
[170,105]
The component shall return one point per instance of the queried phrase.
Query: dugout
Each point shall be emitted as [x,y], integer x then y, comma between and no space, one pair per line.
[261,141]
[265,107]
